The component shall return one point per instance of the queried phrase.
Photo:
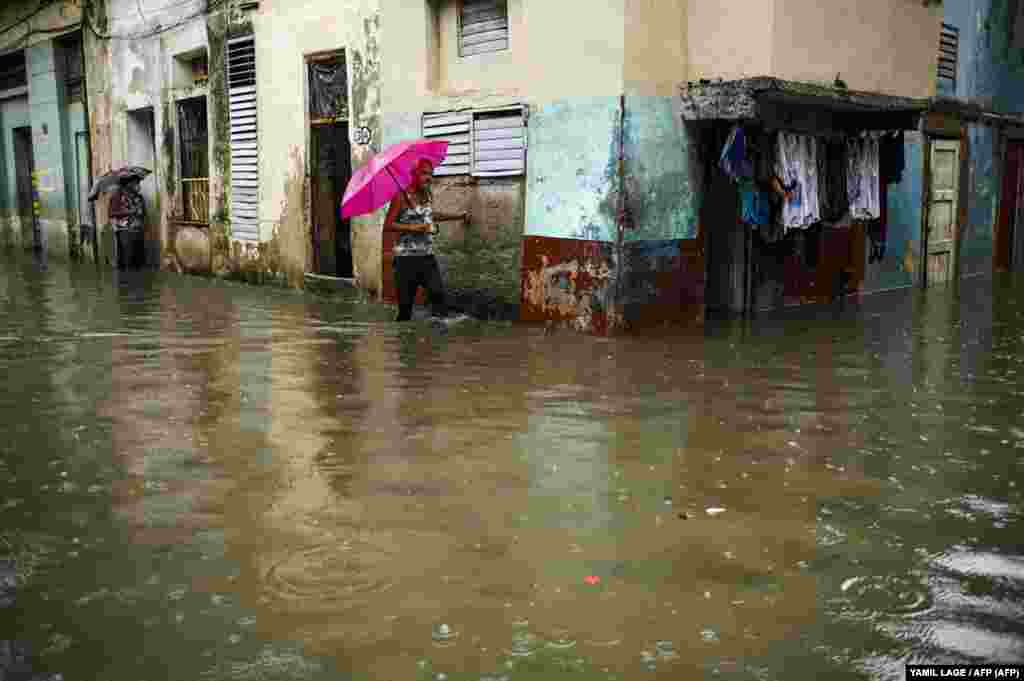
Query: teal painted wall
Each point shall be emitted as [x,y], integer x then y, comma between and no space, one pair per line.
[73,123]
[50,146]
[982,184]
[571,174]
[572,170]
[661,196]
[903,245]
[14,113]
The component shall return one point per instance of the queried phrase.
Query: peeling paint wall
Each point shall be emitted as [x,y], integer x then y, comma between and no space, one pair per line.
[571,169]
[982,184]
[902,264]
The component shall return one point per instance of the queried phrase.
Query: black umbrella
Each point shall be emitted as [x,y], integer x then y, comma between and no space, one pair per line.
[108,181]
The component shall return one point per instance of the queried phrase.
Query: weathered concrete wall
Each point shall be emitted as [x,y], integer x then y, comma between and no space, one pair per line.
[982,188]
[285,35]
[14,113]
[991,67]
[902,263]
[886,46]
[656,41]
[660,170]
[480,260]
[51,119]
[730,39]
[572,174]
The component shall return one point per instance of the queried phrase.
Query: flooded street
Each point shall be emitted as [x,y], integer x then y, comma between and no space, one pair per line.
[201,480]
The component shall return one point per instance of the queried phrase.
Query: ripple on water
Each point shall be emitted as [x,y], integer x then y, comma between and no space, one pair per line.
[336,574]
[872,596]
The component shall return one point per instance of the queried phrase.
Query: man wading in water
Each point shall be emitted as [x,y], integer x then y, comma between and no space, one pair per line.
[411,214]
[128,213]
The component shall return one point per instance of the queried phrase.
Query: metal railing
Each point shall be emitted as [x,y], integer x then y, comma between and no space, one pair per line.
[195,200]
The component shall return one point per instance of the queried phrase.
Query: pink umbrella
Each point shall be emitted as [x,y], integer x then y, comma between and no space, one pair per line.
[387,173]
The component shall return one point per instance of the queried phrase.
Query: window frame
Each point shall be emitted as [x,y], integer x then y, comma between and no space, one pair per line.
[949,53]
[189,182]
[460,11]
[243,141]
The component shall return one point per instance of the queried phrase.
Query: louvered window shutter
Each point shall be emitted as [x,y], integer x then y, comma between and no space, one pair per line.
[499,143]
[455,129]
[244,141]
[949,53]
[483,27]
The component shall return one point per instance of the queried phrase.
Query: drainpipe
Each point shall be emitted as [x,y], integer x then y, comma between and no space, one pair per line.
[620,216]
[88,137]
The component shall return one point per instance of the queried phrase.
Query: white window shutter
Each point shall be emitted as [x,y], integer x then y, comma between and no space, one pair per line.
[455,128]
[499,143]
[241,55]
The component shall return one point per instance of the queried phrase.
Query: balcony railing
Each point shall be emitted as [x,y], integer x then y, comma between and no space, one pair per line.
[195,200]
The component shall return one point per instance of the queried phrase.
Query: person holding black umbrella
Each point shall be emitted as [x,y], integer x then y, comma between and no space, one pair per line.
[128,215]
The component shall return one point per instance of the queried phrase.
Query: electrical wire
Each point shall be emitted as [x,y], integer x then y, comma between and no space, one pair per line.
[43,4]
[88,19]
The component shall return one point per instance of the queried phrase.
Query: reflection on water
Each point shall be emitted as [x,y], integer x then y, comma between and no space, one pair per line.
[203,480]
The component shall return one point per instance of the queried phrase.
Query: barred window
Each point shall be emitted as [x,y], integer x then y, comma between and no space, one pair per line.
[74,76]
[195,181]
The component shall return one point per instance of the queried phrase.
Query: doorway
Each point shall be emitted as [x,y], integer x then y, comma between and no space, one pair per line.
[943,212]
[142,152]
[24,170]
[1008,249]
[331,172]
[330,156]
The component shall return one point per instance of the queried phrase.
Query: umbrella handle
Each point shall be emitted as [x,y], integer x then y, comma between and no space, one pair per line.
[404,193]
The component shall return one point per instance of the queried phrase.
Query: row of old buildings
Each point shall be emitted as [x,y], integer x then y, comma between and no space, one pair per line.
[586,141]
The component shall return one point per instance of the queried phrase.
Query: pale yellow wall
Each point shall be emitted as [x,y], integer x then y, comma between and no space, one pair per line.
[558,50]
[655,47]
[888,46]
[286,31]
[729,39]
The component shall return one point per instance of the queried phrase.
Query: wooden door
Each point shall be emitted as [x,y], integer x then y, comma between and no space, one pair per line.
[943,211]
[24,169]
[1008,249]
[332,169]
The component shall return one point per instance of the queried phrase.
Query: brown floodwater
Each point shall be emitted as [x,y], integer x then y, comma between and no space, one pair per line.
[205,480]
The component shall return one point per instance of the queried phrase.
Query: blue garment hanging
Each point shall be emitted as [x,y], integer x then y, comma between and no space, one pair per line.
[733,160]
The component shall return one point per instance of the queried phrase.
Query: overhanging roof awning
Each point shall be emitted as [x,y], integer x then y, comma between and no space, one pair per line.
[746,99]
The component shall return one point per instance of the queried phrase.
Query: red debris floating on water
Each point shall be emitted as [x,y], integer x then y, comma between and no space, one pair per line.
[592,579]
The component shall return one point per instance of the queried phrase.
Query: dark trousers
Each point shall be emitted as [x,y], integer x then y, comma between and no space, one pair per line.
[411,272]
[129,248]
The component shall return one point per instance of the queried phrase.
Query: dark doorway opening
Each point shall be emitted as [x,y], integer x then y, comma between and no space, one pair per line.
[25,168]
[330,156]
[332,168]
[142,152]
[1009,236]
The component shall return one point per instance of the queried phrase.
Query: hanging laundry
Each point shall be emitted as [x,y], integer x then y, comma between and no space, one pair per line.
[862,176]
[797,167]
[733,160]
[755,206]
[877,236]
[892,160]
[832,180]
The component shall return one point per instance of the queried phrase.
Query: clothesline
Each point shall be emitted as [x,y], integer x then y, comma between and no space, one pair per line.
[814,178]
